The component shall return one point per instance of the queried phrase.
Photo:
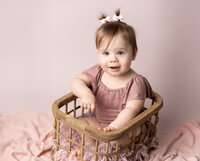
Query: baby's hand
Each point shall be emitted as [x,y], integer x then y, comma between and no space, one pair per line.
[88,102]
[108,128]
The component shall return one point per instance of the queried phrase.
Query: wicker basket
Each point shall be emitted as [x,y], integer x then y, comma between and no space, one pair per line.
[65,111]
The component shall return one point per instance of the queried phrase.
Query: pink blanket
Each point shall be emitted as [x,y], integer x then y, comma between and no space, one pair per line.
[182,144]
[26,136]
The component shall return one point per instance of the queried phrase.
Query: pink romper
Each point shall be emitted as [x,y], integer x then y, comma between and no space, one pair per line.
[109,102]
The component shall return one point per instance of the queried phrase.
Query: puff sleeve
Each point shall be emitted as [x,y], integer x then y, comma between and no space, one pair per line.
[93,74]
[139,89]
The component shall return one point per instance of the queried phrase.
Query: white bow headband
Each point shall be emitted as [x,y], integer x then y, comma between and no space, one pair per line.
[115,18]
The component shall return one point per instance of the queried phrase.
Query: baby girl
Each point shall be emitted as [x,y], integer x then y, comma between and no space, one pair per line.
[118,92]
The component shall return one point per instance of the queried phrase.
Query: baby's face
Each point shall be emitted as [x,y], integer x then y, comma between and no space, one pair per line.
[116,59]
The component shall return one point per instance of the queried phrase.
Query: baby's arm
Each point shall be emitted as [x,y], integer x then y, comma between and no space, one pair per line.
[80,87]
[130,111]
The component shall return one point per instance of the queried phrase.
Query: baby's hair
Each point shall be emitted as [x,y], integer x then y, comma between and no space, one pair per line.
[117,12]
[109,29]
[102,16]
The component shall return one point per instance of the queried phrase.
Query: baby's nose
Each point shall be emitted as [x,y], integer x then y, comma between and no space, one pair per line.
[113,58]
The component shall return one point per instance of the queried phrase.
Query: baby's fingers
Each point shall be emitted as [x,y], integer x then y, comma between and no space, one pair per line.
[93,107]
[106,129]
[86,106]
[82,105]
[89,107]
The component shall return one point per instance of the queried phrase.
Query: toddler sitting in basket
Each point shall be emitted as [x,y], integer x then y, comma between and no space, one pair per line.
[118,92]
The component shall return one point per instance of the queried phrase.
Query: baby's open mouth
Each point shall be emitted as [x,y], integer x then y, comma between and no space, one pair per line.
[115,67]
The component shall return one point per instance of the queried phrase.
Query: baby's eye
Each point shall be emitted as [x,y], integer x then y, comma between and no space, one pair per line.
[106,53]
[120,52]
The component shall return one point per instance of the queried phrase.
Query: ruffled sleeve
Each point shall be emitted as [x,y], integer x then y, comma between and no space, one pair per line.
[138,89]
[93,74]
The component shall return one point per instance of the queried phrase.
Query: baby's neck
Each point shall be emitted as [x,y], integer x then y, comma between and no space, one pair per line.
[115,82]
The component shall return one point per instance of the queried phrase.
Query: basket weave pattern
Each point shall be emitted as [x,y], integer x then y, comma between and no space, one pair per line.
[65,111]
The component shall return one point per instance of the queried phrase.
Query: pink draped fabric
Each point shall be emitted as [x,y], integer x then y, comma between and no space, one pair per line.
[182,144]
[26,136]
